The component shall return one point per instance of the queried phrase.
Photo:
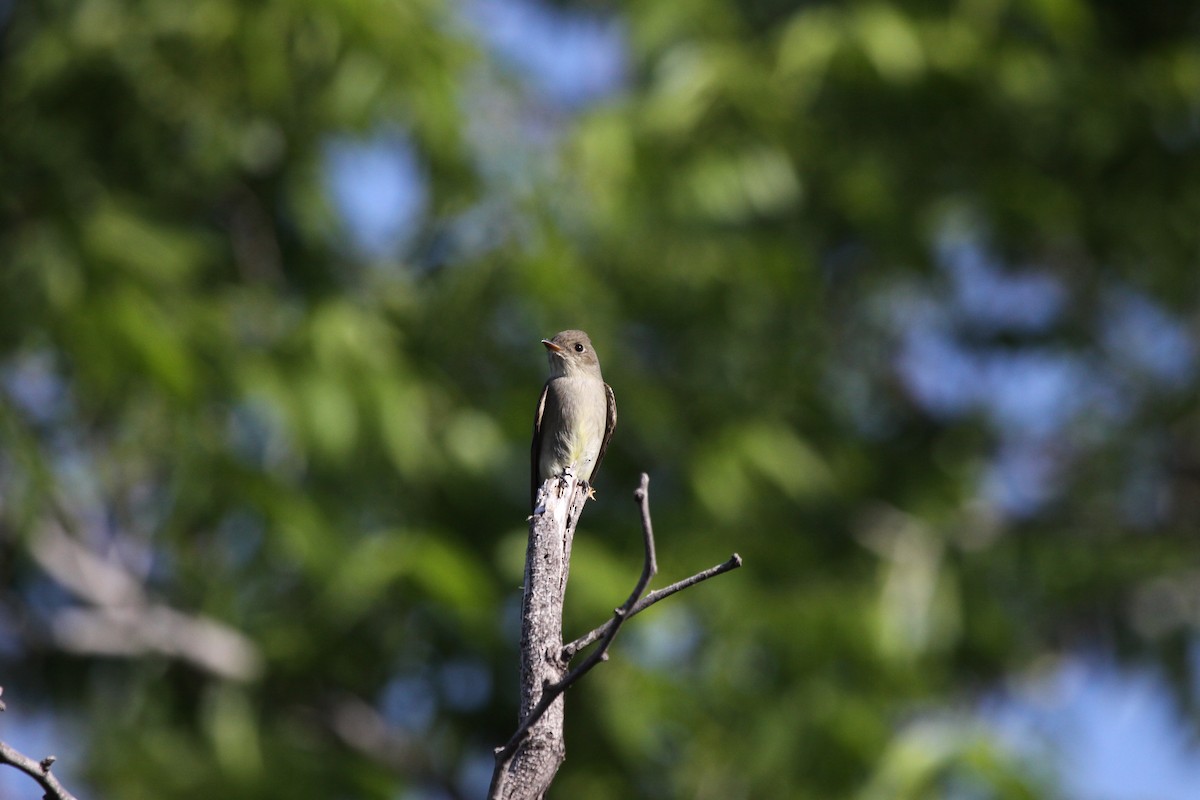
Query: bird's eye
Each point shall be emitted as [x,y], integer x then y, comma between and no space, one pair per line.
[578,347]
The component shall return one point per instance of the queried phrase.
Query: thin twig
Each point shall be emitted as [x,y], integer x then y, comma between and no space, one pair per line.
[552,691]
[571,650]
[38,770]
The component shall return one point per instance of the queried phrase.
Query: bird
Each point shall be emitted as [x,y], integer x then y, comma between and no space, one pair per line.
[575,416]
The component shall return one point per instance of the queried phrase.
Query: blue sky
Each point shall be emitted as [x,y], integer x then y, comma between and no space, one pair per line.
[1113,733]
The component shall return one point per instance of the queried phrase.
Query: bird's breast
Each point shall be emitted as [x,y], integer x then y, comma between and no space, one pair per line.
[573,425]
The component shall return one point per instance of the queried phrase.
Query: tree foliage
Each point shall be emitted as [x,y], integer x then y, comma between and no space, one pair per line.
[898,301]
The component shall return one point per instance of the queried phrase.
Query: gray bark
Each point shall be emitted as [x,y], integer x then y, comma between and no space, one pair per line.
[527,764]
[531,768]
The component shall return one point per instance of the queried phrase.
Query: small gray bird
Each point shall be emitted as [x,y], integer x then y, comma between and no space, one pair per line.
[576,413]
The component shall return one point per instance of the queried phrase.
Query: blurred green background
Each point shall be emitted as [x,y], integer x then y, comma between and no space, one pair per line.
[899,301]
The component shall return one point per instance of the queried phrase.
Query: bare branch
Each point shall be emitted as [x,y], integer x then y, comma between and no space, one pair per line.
[649,568]
[121,620]
[551,692]
[80,570]
[527,765]
[552,662]
[735,561]
[38,770]
[117,615]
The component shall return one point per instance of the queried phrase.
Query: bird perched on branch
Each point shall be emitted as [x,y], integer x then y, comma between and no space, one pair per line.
[575,415]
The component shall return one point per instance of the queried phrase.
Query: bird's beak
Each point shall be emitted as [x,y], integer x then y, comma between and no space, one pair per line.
[551,346]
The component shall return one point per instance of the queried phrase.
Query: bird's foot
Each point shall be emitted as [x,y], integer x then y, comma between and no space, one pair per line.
[564,480]
[591,493]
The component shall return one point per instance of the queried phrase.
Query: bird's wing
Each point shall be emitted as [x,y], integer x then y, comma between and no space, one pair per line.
[536,449]
[609,423]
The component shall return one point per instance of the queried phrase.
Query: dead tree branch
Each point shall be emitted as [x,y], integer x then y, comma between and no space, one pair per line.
[121,619]
[528,762]
[38,770]
[526,766]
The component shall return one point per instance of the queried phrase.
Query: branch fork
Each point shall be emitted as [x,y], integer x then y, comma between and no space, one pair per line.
[527,763]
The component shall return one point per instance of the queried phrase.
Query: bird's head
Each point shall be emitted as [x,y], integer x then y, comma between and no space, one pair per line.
[570,354]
